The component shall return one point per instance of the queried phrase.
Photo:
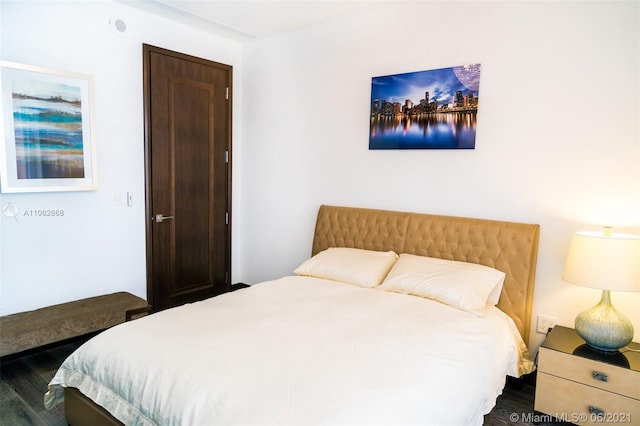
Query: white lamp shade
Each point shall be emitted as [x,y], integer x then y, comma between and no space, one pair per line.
[606,262]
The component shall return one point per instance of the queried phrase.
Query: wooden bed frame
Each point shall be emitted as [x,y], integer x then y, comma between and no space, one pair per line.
[508,246]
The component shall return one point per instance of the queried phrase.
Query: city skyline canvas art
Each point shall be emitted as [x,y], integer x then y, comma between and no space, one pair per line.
[434,109]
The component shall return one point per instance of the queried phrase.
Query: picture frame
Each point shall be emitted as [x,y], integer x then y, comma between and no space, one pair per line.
[47,128]
[433,109]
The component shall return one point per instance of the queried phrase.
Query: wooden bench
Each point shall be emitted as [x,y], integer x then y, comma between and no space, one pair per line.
[28,330]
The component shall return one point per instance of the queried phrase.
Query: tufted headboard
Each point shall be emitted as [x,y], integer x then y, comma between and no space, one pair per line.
[508,246]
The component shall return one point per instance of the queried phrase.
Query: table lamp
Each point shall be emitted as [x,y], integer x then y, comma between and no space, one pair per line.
[606,261]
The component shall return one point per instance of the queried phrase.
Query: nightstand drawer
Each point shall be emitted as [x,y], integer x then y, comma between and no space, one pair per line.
[571,401]
[592,373]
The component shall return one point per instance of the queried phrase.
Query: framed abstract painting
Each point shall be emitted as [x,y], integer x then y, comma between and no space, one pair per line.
[47,128]
[435,109]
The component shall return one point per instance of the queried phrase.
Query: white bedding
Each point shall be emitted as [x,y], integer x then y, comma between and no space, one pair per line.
[298,351]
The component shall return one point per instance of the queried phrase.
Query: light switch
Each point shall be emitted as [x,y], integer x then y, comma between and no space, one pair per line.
[119,199]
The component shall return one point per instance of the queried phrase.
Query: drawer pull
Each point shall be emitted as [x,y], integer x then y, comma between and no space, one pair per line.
[595,410]
[600,376]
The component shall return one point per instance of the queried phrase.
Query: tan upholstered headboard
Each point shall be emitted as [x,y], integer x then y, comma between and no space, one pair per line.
[508,246]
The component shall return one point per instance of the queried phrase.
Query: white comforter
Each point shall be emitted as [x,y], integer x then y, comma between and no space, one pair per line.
[299,351]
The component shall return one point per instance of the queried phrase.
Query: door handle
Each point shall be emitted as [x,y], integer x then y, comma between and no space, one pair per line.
[161,217]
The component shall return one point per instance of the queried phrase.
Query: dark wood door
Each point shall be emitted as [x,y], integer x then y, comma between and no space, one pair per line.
[187,149]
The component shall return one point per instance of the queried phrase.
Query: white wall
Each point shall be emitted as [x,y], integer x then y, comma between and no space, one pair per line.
[97,247]
[558,140]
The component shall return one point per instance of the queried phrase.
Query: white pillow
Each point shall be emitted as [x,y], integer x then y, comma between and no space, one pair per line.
[364,268]
[466,286]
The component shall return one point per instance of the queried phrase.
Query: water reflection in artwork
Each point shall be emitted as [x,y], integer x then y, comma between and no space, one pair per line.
[434,109]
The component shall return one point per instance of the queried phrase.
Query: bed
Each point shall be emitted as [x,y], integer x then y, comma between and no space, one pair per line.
[396,318]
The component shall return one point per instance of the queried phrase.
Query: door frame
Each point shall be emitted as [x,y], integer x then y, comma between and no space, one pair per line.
[146,51]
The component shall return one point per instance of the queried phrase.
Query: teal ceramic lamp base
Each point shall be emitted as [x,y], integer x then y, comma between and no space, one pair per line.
[603,327]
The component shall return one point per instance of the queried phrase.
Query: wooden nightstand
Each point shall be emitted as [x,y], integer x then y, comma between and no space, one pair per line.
[583,386]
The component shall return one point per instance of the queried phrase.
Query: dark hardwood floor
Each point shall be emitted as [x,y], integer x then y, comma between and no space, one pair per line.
[23,383]
[515,407]
[24,379]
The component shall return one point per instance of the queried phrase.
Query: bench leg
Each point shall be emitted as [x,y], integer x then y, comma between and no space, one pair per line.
[130,313]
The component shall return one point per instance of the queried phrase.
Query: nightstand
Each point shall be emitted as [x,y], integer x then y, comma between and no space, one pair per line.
[580,385]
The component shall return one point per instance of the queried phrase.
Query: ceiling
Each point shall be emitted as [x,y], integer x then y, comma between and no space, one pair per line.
[243,20]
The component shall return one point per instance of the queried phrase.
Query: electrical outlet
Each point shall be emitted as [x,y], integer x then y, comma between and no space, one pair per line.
[545,323]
